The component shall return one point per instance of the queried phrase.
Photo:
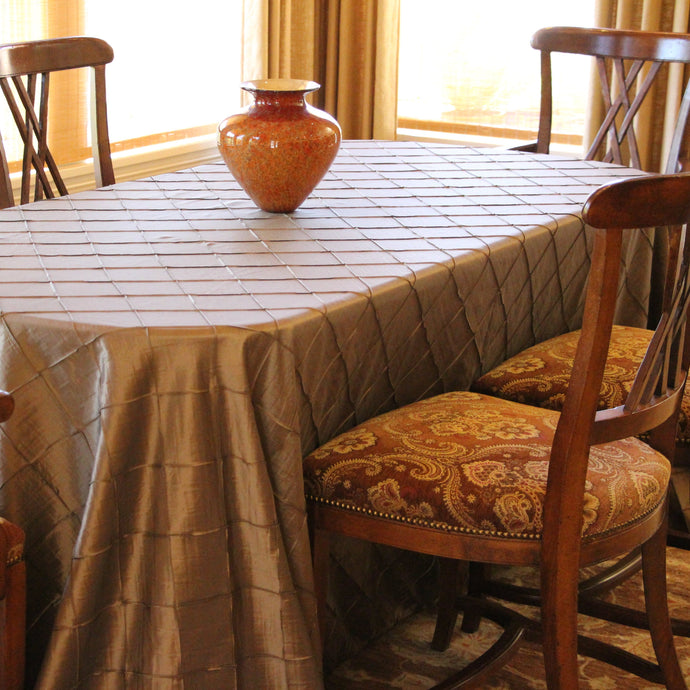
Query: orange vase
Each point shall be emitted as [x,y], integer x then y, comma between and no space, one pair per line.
[279,147]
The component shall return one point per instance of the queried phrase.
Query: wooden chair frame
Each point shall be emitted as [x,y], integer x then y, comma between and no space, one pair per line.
[25,70]
[628,64]
[652,407]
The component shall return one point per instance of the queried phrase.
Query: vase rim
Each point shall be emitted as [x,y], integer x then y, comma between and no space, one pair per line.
[280,85]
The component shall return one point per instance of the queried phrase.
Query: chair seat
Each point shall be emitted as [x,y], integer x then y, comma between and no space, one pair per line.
[467,462]
[539,375]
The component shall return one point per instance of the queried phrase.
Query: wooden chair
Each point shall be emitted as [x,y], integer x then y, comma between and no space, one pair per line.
[12,590]
[628,64]
[622,58]
[25,70]
[466,476]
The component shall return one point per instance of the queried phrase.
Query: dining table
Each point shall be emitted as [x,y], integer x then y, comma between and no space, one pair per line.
[174,352]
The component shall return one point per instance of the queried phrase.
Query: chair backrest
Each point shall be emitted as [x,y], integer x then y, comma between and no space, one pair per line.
[628,63]
[659,201]
[25,70]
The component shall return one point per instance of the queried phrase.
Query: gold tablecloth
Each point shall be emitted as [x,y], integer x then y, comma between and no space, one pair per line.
[174,352]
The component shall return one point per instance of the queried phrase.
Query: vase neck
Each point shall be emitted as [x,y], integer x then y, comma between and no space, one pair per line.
[284,99]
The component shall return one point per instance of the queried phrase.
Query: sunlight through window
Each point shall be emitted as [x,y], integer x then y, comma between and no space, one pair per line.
[468,71]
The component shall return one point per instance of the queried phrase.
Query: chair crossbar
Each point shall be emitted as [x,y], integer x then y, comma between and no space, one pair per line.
[25,70]
[661,367]
[624,80]
[33,131]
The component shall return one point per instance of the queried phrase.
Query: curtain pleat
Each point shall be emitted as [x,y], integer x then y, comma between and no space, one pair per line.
[349,46]
[254,39]
[676,77]
[656,119]
[280,39]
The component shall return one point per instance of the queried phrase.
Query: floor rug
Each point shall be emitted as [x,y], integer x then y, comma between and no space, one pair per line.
[403,659]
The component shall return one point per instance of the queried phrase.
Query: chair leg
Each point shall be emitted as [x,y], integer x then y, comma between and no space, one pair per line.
[449,586]
[321,547]
[656,602]
[472,616]
[559,592]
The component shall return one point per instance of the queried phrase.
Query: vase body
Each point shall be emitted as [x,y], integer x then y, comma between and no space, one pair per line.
[279,147]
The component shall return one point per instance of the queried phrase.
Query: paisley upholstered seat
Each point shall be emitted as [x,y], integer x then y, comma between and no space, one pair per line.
[464,462]
[539,375]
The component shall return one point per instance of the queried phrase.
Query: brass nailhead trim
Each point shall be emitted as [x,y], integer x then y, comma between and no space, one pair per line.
[432,524]
[445,527]
[15,555]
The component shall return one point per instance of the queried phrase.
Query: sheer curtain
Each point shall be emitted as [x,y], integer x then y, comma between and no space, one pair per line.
[656,121]
[349,46]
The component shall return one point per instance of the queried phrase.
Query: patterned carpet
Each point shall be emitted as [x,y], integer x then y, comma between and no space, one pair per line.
[402,658]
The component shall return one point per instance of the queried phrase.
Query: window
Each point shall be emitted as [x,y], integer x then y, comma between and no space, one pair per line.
[174,77]
[467,71]
[176,72]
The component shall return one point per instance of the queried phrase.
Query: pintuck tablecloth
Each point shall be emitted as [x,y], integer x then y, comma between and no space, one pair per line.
[174,351]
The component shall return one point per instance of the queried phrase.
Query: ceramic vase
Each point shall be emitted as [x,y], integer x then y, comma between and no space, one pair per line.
[279,147]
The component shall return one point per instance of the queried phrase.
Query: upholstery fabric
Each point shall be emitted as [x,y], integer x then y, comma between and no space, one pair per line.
[471,463]
[539,375]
